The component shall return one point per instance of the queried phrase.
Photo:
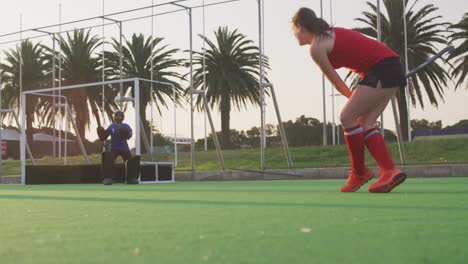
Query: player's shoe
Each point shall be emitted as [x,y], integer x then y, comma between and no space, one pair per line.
[388,180]
[355,181]
[107,181]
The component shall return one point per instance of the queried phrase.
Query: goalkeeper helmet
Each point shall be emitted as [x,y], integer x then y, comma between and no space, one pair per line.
[119,116]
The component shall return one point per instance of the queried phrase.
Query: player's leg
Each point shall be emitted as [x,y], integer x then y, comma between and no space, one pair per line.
[390,176]
[132,168]
[390,74]
[373,138]
[365,100]
[108,167]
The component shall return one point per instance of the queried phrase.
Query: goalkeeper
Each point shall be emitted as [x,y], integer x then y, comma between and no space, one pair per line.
[120,132]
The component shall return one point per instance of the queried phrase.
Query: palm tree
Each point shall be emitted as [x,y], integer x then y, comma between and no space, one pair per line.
[231,73]
[80,64]
[424,32]
[34,68]
[137,55]
[461,52]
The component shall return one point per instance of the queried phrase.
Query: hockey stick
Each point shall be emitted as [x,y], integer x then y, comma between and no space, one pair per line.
[431,60]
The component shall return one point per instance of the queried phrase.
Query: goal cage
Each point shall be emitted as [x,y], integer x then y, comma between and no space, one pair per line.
[67,148]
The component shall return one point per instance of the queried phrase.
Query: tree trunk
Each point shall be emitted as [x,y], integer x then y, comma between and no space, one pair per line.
[30,111]
[403,113]
[80,124]
[225,118]
[145,99]
[81,114]
[29,128]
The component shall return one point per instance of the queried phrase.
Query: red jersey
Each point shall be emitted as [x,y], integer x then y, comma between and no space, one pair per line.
[357,52]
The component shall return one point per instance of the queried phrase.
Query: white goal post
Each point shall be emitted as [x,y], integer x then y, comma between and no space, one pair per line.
[23,140]
[107,85]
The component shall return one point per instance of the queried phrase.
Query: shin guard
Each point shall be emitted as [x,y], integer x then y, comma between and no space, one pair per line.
[108,167]
[132,170]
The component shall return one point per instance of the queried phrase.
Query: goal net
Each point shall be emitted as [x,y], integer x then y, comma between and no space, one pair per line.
[60,128]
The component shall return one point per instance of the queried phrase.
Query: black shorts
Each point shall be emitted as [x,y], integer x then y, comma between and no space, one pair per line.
[388,71]
[114,153]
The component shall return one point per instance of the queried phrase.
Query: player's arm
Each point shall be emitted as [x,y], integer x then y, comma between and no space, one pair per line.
[103,134]
[319,53]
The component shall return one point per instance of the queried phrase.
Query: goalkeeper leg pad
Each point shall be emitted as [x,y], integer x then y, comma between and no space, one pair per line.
[108,167]
[132,167]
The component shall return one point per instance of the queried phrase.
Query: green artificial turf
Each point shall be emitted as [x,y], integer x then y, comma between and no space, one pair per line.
[422,221]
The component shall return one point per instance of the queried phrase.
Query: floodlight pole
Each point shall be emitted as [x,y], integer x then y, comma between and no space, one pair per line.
[175,126]
[324,101]
[121,59]
[408,95]
[262,88]
[379,38]
[192,142]
[66,136]
[121,56]
[21,61]
[204,69]
[103,96]
[53,85]
[333,90]
[335,134]
[53,103]
[152,78]
[393,100]
[60,85]
[119,24]
[333,119]
[23,139]
[137,117]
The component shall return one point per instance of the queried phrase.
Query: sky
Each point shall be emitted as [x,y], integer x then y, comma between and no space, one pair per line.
[297,80]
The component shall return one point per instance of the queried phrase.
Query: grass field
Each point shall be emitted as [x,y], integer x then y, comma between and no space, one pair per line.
[423,221]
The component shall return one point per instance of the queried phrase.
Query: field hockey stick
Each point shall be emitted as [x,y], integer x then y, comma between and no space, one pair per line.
[431,60]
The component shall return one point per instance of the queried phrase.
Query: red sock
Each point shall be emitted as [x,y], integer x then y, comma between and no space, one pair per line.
[378,149]
[354,138]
